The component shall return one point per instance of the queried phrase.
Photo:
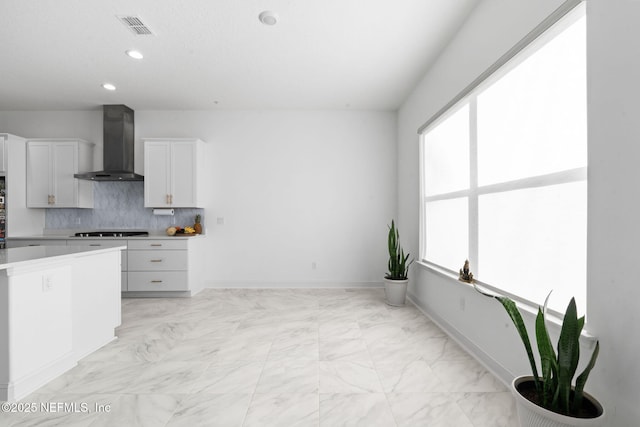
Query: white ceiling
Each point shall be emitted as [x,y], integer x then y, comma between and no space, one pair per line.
[209,54]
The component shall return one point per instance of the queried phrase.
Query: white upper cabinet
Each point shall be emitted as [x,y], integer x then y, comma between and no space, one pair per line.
[51,164]
[172,170]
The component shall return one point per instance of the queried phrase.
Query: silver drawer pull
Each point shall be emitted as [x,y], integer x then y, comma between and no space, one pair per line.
[156,260]
[34,244]
[156,281]
[95,244]
[155,244]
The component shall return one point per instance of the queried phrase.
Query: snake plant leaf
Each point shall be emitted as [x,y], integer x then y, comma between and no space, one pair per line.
[550,381]
[555,393]
[397,264]
[582,379]
[580,325]
[547,359]
[516,318]
[568,354]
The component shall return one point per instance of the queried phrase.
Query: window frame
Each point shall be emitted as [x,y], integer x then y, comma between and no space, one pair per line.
[567,14]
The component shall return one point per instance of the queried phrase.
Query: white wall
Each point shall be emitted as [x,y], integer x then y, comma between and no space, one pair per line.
[613,36]
[293,187]
[613,66]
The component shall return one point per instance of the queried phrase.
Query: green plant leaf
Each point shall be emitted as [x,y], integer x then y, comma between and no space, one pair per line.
[547,359]
[582,379]
[397,264]
[516,317]
[568,355]
[558,370]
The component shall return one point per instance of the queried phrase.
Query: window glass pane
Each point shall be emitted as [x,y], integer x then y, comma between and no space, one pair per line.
[446,154]
[447,232]
[533,120]
[533,241]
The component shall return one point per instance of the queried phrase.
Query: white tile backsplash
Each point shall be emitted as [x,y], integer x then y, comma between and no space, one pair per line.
[118,205]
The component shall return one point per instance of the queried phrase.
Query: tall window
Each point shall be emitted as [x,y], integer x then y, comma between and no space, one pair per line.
[504,174]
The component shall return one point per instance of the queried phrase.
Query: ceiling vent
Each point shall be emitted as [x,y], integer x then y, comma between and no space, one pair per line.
[135,24]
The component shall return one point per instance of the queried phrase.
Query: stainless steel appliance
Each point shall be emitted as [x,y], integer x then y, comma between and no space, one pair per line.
[118,146]
[112,233]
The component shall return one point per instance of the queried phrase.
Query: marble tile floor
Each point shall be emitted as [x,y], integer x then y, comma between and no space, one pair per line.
[282,358]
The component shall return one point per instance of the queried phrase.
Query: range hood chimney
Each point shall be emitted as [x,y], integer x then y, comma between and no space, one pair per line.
[118,146]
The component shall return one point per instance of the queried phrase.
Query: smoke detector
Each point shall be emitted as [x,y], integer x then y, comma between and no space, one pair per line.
[268,18]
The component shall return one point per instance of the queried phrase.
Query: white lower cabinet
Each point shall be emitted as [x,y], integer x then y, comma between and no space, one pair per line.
[158,260]
[149,267]
[158,281]
[157,265]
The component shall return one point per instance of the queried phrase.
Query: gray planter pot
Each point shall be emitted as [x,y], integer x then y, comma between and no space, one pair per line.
[532,415]
[395,291]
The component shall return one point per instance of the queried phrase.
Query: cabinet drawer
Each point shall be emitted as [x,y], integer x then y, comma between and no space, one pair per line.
[103,243]
[157,260]
[160,281]
[160,244]
[12,243]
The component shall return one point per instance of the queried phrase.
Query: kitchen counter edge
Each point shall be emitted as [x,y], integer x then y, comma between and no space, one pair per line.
[14,257]
[71,237]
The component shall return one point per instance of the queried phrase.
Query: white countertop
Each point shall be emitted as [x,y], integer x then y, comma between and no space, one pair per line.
[70,236]
[13,257]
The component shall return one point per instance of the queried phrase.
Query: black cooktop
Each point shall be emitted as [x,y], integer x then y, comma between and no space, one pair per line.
[111,233]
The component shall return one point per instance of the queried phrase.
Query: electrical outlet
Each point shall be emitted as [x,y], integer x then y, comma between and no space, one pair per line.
[47,283]
[220,220]
[313,265]
[463,303]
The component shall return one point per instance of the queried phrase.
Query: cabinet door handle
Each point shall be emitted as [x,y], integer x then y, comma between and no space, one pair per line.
[156,260]
[155,244]
[156,281]
[171,199]
[95,244]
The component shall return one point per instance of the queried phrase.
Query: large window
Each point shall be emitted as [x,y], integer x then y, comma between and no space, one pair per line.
[504,174]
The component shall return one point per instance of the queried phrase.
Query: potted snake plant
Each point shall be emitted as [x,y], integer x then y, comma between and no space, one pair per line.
[396,279]
[553,399]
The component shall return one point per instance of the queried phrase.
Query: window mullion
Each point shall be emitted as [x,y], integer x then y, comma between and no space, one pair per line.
[422,244]
[473,184]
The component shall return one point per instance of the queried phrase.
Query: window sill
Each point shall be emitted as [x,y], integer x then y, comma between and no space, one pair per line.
[527,308]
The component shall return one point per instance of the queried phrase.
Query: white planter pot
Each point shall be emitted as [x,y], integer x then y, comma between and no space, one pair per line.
[395,291]
[532,415]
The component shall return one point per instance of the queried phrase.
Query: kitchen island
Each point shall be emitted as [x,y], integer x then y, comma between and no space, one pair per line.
[57,305]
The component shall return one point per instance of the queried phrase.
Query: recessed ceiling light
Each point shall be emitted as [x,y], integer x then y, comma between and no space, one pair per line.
[134,54]
[268,18]
[108,86]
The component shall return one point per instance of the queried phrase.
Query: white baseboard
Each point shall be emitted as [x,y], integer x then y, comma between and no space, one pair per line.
[474,351]
[291,285]
[16,390]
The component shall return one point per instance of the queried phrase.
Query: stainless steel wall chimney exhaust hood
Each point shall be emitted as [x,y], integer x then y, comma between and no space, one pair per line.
[118,146]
